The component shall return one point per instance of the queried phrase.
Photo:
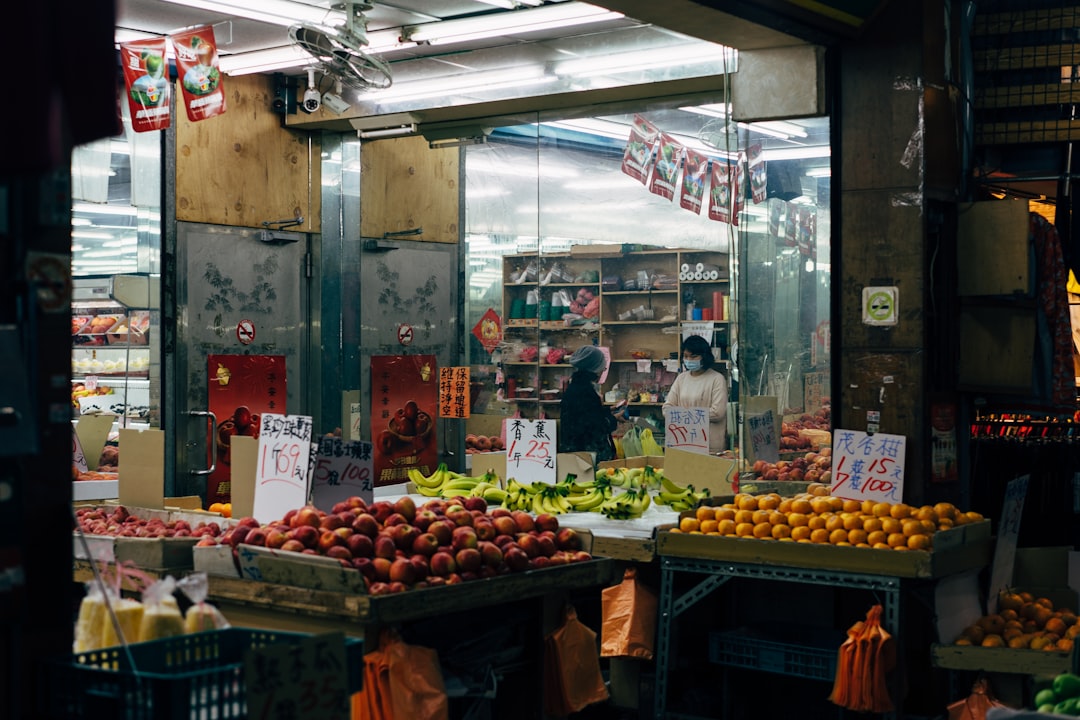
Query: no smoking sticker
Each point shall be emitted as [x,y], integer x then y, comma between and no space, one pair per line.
[405,334]
[880,305]
[245,332]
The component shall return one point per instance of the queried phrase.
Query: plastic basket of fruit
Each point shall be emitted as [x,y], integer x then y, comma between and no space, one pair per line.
[189,677]
[813,657]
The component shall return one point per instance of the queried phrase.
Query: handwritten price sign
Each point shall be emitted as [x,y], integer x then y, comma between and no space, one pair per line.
[687,428]
[1012,509]
[343,469]
[282,464]
[868,467]
[305,679]
[763,439]
[530,450]
[77,455]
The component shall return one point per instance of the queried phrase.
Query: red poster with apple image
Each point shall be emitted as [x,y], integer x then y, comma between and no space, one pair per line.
[241,388]
[197,70]
[149,92]
[404,405]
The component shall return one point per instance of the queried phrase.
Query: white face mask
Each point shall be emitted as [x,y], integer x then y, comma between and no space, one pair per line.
[691,365]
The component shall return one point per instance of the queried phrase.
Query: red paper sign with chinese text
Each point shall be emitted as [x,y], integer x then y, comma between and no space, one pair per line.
[197,70]
[488,330]
[454,392]
[404,405]
[240,389]
[146,82]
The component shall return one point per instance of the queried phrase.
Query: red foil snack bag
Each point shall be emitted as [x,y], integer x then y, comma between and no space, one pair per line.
[197,70]
[693,181]
[148,90]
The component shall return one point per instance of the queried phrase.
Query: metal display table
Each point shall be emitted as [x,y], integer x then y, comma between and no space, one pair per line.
[718,572]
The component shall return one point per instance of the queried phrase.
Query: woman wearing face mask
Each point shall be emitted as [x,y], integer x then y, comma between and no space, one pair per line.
[700,385]
[584,423]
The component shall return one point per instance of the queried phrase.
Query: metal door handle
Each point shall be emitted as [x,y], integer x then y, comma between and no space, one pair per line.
[210,443]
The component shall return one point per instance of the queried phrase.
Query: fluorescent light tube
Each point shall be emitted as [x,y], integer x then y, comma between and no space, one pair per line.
[463,84]
[274,12]
[288,56]
[797,153]
[690,54]
[509,23]
[387,132]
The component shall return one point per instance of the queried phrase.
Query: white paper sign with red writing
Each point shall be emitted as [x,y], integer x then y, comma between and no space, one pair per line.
[281,465]
[868,467]
[343,470]
[687,428]
[530,450]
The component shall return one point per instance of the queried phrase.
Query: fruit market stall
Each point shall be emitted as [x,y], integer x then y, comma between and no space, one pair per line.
[735,553]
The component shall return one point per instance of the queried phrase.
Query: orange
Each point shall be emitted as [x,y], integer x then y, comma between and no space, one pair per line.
[852,521]
[705,512]
[876,537]
[882,509]
[857,536]
[896,540]
[216,507]
[744,516]
[881,546]
[777,518]
[851,506]
[800,532]
[928,526]
[821,535]
[744,529]
[689,524]
[1039,642]
[1072,632]
[973,516]
[836,504]
[709,526]
[820,505]
[911,527]
[927,512]
[992,624]
[1018,641]
[867,507]
[891,525]
[945,524]
[795,519]
[834,522]
[725,527]
[1065,644]
[816,522]
[781,531]
[1010,615]
[760,516]
[785,505]
[725,513]
[900,511]
[918,541]
[802,506]
[945,510]
[763,530]
[769,502]
[838,536]
[871,524]
[746,502]
[227,510]
[1055,625]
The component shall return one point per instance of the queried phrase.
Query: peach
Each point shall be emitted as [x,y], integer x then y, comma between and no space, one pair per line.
[292,545]
[361,546]
[463,537]
[547,521]
[567,539]
[406,507]
[307,534]
[385,547]
[504,524]
[524,520]
[443,564]
[365,524]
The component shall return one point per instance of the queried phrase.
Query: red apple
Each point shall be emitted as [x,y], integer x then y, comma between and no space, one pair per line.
[443,564]
[435,580]
[459,515]
[397,586]
[292,545]
[529,543]
[547,521]
[442,530]
[381,509]
[385,547]
[287,518]
[361,546]
[435,505]
[485,528]
[395,518]
[421,566]
[567,539]
[505,525]
[499,512]
[382,568]
[547,546]
[516,559]
[539,562]
[378,588]
[275,538]
[405,505]
[340,552]
[524,521]
[503,540]
[365,566]
[307,534]
[365,524]
[491,553]
[468,560]
[328,539]
[463,537]
[344,532]
[401,570]
[475,503]
[581,556]
[307,515]
[424,518]
[206,541]
[425,544]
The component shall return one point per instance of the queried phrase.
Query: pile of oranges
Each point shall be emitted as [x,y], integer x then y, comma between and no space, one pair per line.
[224,508]
[824,519]
[1024,621]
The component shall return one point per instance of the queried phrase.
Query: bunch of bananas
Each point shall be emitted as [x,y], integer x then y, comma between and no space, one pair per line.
[637,478]
[679,498]
[562,497]
[446,483]
[627,505]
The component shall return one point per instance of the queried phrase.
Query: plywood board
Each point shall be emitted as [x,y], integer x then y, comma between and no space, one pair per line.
[997,345]
[410,188]
[992,250]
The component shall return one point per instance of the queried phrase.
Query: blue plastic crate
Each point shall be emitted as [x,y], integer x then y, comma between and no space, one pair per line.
[199,676]
[753,650]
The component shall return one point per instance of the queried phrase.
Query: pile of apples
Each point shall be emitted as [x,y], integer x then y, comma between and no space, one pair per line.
[398,546]
[811,467]
[119,522]
[482,443]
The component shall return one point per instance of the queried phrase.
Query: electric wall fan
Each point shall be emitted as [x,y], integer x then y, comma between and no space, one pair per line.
[340,50]
[721,134]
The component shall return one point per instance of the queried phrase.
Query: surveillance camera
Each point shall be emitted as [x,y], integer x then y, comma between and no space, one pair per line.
[335,102]
[312,100]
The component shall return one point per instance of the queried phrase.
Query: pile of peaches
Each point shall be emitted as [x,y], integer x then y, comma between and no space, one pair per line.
[1024,621]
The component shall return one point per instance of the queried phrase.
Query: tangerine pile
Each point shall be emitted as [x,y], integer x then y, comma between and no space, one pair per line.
[1024,621]
[825,519]
[224,508]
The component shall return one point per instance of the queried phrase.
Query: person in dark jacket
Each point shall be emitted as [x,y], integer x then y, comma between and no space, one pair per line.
[584,423]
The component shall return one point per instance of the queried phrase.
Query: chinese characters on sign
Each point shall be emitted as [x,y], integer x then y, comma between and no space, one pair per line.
[342,470]
[454,392]
[302,680]
[530,450]
[763,439]
[404,406]
[281,470]
[1007,532]
[687,429]
[868,467]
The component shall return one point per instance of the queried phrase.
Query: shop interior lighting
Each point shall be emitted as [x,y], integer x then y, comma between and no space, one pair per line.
[464,84]
[274,12]
[398,131]
[819,172]
[515,22]
[289,56]
[624,62]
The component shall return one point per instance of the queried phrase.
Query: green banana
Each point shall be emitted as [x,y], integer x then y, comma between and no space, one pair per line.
[494,495]
[589,501]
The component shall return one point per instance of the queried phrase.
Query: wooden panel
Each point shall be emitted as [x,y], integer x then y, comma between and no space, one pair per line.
[243,168]
[408,187]
[997,345]
[992,249]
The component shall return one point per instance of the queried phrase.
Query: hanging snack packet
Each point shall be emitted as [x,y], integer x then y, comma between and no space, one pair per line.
[161,614]
[201,615]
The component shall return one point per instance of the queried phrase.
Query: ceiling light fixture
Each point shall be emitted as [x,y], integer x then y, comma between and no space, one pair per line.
[288,56]
[399,131]
[618,63]
[464,84]
[516,22]
[274,12]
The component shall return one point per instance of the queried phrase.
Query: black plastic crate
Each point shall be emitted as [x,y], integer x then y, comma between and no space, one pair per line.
[813,657]
[199,676]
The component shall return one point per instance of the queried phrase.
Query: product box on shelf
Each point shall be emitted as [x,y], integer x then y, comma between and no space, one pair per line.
[214,560]
[151,554]
[720,475]
[960,548]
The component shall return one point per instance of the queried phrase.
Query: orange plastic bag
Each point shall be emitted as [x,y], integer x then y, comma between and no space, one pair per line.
[417,691]
[863,664]
[976,705]
[572,677]
[373,702]
[629,619]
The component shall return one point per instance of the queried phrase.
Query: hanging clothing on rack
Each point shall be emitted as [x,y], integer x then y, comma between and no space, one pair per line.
[1055,381]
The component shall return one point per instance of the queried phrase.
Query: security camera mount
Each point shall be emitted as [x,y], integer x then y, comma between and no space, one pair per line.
[312,97]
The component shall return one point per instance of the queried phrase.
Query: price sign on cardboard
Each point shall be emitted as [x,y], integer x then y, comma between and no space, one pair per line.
[530,450]
[281,470]
[77,455]
[868,467]
[763,438]
[305,679]
[343,469]
[687,428]
[1008,530]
